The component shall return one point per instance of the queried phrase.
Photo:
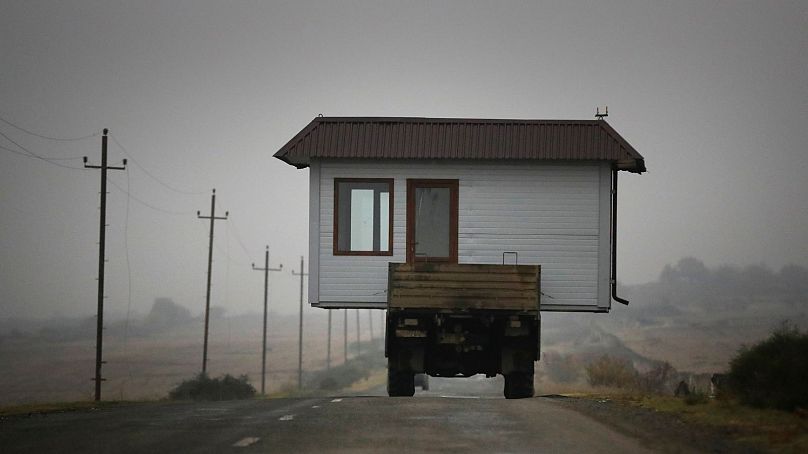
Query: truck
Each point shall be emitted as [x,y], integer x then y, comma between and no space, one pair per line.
[464,231]
[448,320]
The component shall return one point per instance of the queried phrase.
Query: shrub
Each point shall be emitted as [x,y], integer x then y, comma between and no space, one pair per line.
[203,387]
[611,371]
[561,368]
[656,379]
[774,372]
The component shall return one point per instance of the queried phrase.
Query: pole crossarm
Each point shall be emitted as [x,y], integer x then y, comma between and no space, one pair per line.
[91,166]
[266,269]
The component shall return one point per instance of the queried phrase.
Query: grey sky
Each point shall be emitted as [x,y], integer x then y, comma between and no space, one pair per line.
[201,93]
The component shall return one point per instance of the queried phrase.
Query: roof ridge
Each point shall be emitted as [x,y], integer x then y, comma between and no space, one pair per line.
[465,120]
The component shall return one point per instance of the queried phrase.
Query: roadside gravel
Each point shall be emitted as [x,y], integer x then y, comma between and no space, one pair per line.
[659,431]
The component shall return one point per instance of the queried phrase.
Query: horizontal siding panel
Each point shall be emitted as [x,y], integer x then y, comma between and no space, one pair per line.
[548,213]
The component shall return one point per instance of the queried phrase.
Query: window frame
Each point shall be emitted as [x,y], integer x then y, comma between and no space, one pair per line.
[335,249]
[454,214]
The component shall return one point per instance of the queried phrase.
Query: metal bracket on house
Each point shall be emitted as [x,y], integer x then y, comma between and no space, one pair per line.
[464,230]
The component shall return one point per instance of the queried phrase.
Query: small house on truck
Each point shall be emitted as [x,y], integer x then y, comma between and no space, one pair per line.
[464,230]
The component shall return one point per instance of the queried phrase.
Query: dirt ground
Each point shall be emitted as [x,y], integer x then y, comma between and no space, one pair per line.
[660,431]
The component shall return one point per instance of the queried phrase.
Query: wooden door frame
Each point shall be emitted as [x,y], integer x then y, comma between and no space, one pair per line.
[453,186]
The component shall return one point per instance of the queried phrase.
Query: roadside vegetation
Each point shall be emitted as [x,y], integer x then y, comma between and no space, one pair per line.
[359,373]
[762,400]
[772,373]
[203,387]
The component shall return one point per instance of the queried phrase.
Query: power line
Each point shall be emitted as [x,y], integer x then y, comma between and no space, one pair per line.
[146,204]
[72,158]
[226,254]
[166,185]
[42,136]
[240,242]
[32,155]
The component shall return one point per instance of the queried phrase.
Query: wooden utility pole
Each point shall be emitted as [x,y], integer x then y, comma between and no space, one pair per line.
[266,269]
[102,227]
[345,335]
[212,218]
[382,328]
[328,349]
[370,324]
[358,338]
[300,329]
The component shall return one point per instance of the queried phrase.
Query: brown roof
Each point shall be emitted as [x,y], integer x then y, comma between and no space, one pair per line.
[459,138]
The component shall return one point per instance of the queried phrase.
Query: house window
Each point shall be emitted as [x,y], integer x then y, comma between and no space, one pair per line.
[363,216]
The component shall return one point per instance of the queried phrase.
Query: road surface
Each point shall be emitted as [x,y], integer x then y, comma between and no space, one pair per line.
[447,418]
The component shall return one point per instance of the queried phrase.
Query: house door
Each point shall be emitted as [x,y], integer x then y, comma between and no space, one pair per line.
[432,221]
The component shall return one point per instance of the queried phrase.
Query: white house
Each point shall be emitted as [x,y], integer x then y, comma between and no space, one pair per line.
[462,191]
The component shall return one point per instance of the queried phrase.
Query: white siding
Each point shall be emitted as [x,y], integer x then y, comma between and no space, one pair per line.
[551,214]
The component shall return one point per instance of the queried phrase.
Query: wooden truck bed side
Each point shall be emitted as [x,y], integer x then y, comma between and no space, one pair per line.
[464,287]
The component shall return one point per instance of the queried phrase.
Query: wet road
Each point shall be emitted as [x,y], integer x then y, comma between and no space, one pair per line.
[450,417]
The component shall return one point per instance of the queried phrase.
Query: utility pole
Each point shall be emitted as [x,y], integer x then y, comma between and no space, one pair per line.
[328,349]
[358,338]
[382,328]
[266,269]
[370,324]
[102,227]
[345,335]
[212,218]
[300,329]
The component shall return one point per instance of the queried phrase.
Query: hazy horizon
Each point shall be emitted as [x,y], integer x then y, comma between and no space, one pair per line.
[201,94]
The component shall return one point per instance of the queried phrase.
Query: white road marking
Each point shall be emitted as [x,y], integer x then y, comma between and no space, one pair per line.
[315,406]
[244,442]
[337,400]
[286,418]
[460,397]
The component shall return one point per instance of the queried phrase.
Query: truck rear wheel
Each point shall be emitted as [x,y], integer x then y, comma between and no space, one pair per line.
[400,383]
[518,385]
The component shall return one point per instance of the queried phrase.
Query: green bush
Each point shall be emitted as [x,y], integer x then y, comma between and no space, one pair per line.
[611,371]
[203,387]
[696,397]
[343,375]
[774,372]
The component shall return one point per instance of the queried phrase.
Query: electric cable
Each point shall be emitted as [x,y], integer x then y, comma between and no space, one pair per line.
[146,204]
[135,162]
[42,136]
[240,242]
[32,155]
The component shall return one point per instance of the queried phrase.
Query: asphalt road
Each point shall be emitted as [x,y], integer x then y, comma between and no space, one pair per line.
[468,416]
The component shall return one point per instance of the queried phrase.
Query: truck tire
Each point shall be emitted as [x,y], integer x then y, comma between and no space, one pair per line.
[400,383]
[518,385]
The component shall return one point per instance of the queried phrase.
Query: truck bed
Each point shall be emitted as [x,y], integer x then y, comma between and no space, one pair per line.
[453,287]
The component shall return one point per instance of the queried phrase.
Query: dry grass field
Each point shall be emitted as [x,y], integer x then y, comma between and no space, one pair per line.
[147,367]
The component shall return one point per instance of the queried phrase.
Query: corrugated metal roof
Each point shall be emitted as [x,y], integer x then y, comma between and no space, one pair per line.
[459,138]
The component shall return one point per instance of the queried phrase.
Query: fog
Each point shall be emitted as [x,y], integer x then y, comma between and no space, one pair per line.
[199,95]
